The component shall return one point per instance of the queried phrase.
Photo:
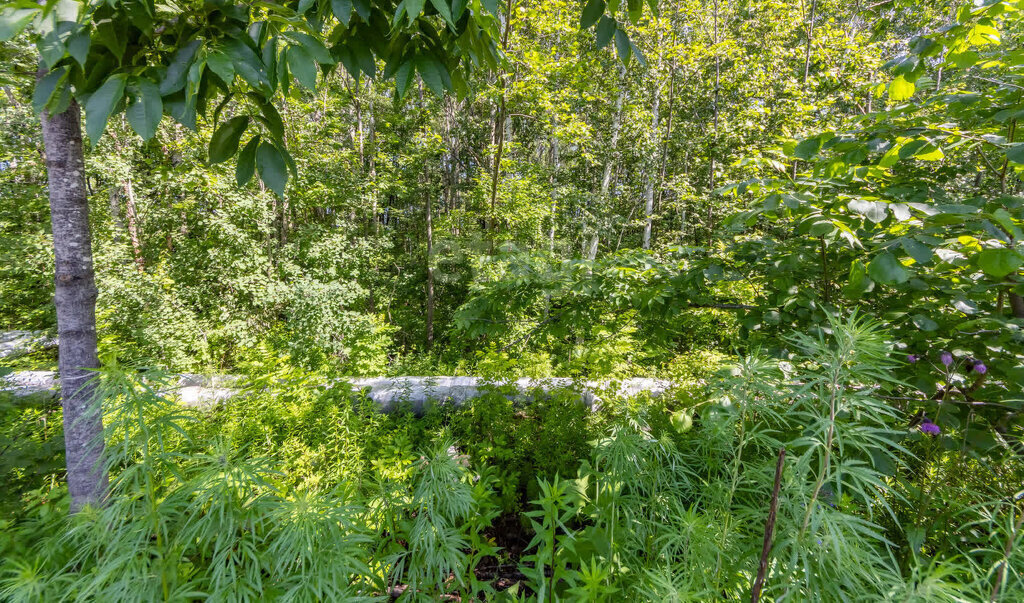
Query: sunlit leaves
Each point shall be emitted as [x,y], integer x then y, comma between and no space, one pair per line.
[900,89]
[886,269]
[1015,152]
[13,20]
[999,262]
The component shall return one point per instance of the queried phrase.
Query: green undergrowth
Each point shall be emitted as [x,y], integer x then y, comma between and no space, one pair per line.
[296,491]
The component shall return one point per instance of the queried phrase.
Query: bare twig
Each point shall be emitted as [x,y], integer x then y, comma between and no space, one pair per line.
[769,530]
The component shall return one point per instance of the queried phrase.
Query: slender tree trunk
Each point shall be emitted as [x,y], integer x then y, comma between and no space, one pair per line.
[649,191]
[663,172]
[555,161]
[430,261]
[711,179]
[499,129]
[75,298]
[609,167]
[810,40]
[131,216]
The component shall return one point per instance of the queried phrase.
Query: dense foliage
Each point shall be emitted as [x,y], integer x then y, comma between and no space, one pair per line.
[806,215]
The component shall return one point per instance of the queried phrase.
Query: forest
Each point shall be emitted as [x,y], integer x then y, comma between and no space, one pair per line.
[511,300]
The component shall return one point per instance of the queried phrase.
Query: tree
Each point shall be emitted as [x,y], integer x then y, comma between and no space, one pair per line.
[211,60]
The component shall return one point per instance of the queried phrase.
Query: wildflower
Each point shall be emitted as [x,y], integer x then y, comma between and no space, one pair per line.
[911,358]
[946,358]
[980,368]
[929,428]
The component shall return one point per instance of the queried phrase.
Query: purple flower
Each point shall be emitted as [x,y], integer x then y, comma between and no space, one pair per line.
[946,358]
[929,428]
[980,368]
[911,358]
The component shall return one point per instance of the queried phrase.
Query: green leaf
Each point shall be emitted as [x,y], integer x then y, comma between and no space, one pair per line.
[101,104]
[78,46]
[403,78]
[858,282]
[964,59]
[891,157]
[342,10]
[459,8]
[886,269]
[593,11]
[434,73]
[272,120]
[807,148]
[605,30]
[51,48]
[183,109]
[46,87]
[491,6]
[999,262]
[247,162]
[314,47]
[271,166]
[444,10]
[921,253]
[1015,152]
[819,229]
[224,141]
[930,153]
[363,9]
[872,210]
[221,64]
[414,8]
[145,112]
[900,89]
[248,65]
[924,323]
[177,71]
[635,9]
[364,59]
[622,45]
[13,20]
[302,66]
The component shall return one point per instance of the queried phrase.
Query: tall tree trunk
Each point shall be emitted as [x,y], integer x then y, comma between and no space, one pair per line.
[75,298]
[555,161]
[133,224]
[649,190]
[590,248]
[430,261]
[711,179]
[810,40]
[499,129]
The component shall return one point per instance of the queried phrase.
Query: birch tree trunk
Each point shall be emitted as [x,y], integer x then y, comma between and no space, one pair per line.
[590,249]
[131,215]
[430,261]
[649,191]
[75,298]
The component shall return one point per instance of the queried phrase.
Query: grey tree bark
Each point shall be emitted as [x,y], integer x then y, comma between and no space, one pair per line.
[429,261]
[649,189]
[131,214]
[590,246]
[75,299]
